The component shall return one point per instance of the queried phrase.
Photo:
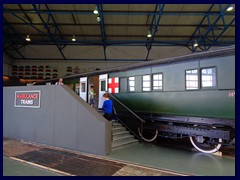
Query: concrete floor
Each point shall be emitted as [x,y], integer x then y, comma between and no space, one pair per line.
[15,168]
[178,160]
[31,159]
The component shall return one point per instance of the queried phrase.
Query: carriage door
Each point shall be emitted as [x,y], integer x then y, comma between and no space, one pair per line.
[102,88]
[83,88]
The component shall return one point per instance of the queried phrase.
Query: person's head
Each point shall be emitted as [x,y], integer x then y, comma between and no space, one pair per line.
[106,95]
[60,80]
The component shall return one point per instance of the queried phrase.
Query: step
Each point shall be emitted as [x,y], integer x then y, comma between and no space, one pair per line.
[122,136]
[120,133]
[118,129]
[124,142]
[116,124]
[123,133]
[100,112]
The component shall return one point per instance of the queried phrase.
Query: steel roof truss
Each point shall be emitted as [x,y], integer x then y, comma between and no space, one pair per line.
[27,23]
[13,44]
[154,26]
[100,11]
[207,39]
[51,35]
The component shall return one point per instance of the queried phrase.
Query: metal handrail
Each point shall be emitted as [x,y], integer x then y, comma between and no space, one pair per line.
[131,121]
[127,108]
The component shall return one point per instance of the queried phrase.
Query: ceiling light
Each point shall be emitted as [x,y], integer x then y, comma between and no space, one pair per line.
[195,44]
[230,8]
[95,11]
[149,34]
[73,38]
[28,38]
[98,19]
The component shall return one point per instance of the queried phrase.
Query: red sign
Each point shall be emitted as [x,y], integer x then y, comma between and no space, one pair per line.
[27,96]
[27,99]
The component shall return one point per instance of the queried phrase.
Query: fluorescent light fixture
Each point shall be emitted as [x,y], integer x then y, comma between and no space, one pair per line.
[73,38]
[195,44]
[98,19]
[230,8]
[149,34]
[28,38]
[95,11]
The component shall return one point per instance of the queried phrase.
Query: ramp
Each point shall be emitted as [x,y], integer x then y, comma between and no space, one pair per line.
[62,119]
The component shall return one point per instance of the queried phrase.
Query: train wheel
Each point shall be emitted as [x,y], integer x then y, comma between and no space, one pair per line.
[199,143]
[148,140]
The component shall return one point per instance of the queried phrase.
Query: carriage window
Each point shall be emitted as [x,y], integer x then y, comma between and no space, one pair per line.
[191,79]
[83,87]
[208,77]
[157,82]
[103,85]
[123,84]
[146,79]
[131,84]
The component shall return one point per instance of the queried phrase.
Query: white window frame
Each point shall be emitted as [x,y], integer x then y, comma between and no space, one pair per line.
[191,80]
[146,83]
[131,84]
[209,78]
[159,81]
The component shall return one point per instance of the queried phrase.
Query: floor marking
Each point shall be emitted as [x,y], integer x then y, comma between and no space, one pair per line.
[110,159]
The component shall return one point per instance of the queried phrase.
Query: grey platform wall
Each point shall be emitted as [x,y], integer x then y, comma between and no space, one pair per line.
[63,120]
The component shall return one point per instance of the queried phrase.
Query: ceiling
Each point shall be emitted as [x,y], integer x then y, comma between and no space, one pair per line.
[122,25]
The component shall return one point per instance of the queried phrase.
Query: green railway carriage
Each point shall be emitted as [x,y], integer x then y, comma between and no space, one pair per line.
[190,96]
[172,97]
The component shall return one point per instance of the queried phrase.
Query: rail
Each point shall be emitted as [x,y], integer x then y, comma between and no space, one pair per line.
[127,117]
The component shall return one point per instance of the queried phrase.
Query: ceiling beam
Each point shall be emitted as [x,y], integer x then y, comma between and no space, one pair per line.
[123,42]
[103,34]
[119,13]
[116,35]
[55,23]
[51,35]
[215,39]
[129,25]
[82,59]
[20,6]
[192,38]
[154,27]
[28,23]
[13,45]
[74,20]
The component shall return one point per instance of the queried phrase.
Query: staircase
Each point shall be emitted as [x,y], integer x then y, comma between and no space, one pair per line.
[121,136]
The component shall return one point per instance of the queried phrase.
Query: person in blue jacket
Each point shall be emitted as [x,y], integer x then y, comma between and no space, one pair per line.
[107,107]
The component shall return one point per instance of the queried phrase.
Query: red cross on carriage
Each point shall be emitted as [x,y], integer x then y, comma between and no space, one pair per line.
[113,85]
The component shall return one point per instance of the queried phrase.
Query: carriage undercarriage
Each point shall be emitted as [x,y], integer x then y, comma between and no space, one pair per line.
[207,138]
